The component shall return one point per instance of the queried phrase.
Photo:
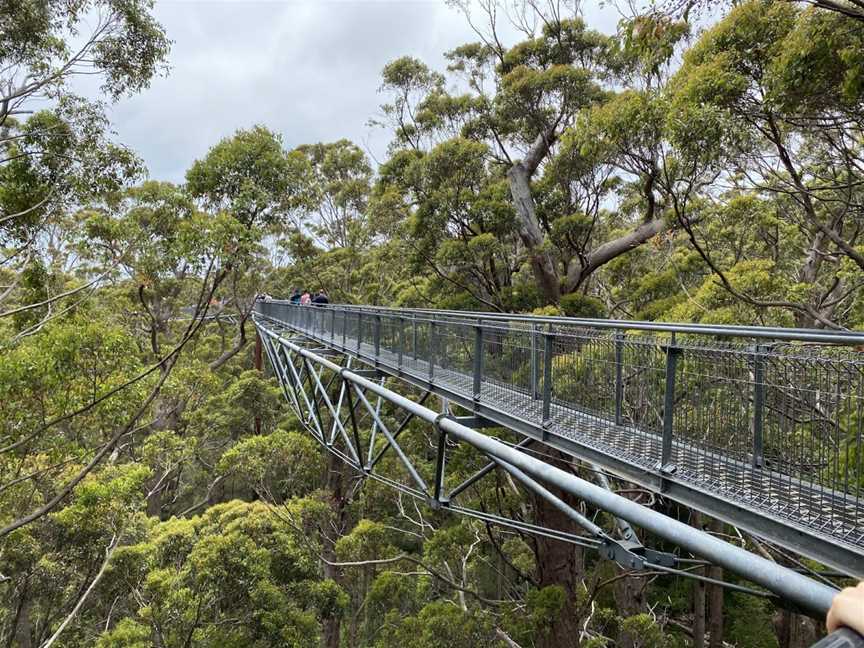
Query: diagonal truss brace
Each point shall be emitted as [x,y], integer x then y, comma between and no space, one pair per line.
[535,475]
[627,553]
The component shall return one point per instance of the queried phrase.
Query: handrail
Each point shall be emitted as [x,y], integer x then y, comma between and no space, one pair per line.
[823,336]
[812,596]
[771,434]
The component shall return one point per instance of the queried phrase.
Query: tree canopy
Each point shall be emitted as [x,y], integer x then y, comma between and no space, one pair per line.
[701,164]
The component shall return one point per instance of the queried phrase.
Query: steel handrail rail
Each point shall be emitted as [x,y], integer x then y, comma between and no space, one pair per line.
[778,333]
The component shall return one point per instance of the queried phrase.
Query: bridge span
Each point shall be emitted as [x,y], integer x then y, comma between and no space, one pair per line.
[760,427]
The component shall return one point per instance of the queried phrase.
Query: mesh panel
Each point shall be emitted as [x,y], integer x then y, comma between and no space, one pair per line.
[773,426]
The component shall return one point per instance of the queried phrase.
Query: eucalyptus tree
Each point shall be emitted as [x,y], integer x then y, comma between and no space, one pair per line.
[56,152]
[539,161]
[336,192]
[771,98]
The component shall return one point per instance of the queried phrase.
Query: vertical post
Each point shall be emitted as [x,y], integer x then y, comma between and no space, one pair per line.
[669,402]
[440,463]
[258,366]
[344,328]
[535,365]
[376,337]
[359,329]
[432,349]
[619,376]
[478,359]
[414,337]
[401,341]
[547,380]
[758,405]
[332,324]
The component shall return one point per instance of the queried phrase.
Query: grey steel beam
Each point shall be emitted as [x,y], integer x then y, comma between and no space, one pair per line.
[553,499]
[336,421]
[480,474]
[799,539]
[396,433]
[393,443]
[475,422]
[784,531]
[624,527]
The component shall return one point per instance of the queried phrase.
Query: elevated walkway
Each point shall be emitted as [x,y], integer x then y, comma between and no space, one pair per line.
[760,427]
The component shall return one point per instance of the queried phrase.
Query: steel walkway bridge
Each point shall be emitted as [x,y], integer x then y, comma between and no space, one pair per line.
[759,427]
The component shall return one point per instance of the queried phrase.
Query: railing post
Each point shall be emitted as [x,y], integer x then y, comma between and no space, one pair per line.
[401,341]
[344,328]
[672,353]
[359,329]
[547,381]
[376,337]
[414,337]
[758,405]
[432,349]
[332,324]
[478,359]
[535,365]
[619,376]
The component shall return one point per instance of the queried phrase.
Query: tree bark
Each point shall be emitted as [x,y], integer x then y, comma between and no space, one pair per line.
[562,564]
[580,269]
[542,263]
[715,599]
[794,630]
[698,598]
[630,601]
[332,626]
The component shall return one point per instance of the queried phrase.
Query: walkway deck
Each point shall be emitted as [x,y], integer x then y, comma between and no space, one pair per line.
[765,436]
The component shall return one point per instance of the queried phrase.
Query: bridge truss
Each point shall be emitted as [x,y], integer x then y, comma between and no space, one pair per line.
[582,388]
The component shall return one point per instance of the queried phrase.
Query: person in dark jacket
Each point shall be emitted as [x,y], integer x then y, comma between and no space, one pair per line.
[295,297]
[321,298]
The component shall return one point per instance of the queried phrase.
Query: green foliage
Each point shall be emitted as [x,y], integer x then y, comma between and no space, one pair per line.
[128,633]
[246,175]
[332,194]
[439,625]
[749,622]
[646,633]
[237,561]
[578,305]
[281,465]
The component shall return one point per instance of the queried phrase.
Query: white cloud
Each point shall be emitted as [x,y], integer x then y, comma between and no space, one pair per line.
[309,70]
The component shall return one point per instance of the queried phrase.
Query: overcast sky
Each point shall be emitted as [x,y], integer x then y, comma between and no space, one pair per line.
[307,69]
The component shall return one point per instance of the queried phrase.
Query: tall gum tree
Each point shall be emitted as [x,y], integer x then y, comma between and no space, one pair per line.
[771,97]
[56,150]
[523,104]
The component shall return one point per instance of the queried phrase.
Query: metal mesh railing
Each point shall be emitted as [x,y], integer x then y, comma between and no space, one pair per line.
[771,419]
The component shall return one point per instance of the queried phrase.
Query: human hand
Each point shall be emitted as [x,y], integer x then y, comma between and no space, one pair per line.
[847,609]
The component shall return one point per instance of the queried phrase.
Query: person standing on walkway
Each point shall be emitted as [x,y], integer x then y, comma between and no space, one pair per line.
[321,298]
[306,298]
[295,297]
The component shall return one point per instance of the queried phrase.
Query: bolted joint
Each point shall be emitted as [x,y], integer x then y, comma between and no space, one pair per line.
[632,555]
